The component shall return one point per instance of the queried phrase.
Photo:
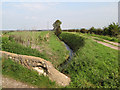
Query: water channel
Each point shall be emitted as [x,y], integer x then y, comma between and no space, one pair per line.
[71,53]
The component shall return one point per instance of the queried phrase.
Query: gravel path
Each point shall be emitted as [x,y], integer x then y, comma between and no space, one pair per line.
[11,83]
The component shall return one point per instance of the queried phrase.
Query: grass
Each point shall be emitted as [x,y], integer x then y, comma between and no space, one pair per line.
[20,73]
[93,65]
[49,48]
[48,45]
[114,39]
[74,42]
[13,47]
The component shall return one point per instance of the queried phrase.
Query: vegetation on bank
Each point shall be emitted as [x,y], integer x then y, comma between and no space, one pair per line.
[93,65]
[42,44]
[20,73]
[75,41]
[13,47]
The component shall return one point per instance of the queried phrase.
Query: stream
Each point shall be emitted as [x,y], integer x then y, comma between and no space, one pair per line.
[71,51]
[64,65]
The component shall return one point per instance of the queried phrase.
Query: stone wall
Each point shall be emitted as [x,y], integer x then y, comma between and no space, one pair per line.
[40,65]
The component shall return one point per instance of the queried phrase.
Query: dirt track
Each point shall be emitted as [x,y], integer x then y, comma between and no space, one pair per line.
[108,45]
[11,83]
[114,43]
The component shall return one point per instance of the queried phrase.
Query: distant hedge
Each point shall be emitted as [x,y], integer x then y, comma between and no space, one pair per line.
[112,30]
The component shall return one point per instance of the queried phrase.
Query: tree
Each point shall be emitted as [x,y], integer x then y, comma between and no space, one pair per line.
[83,30]
[57,27]
[105,31]
[113,29]
[99,31]
[92,30]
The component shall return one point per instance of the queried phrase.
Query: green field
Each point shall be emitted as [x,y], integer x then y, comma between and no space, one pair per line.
[93,65]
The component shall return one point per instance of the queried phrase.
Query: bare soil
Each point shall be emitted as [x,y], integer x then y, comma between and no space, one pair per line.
[8,82]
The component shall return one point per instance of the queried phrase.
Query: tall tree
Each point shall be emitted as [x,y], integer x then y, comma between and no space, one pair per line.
[57,27]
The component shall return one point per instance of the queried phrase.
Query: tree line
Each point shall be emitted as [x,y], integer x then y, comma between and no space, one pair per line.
[112,30]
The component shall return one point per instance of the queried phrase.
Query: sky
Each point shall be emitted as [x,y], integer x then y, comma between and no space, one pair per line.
[73,15]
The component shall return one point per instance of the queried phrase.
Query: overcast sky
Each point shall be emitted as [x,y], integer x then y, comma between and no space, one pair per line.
[41,15]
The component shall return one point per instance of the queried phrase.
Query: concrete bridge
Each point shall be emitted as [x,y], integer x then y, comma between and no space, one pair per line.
[40,65]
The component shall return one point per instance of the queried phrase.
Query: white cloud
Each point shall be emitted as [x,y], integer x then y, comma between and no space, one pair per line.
[35,6]
[31,18]
[32,6]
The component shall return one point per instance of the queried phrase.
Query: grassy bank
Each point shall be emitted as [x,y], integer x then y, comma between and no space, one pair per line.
[73,40]
[42,44]
[20,73]
[93,65]
[14,47]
